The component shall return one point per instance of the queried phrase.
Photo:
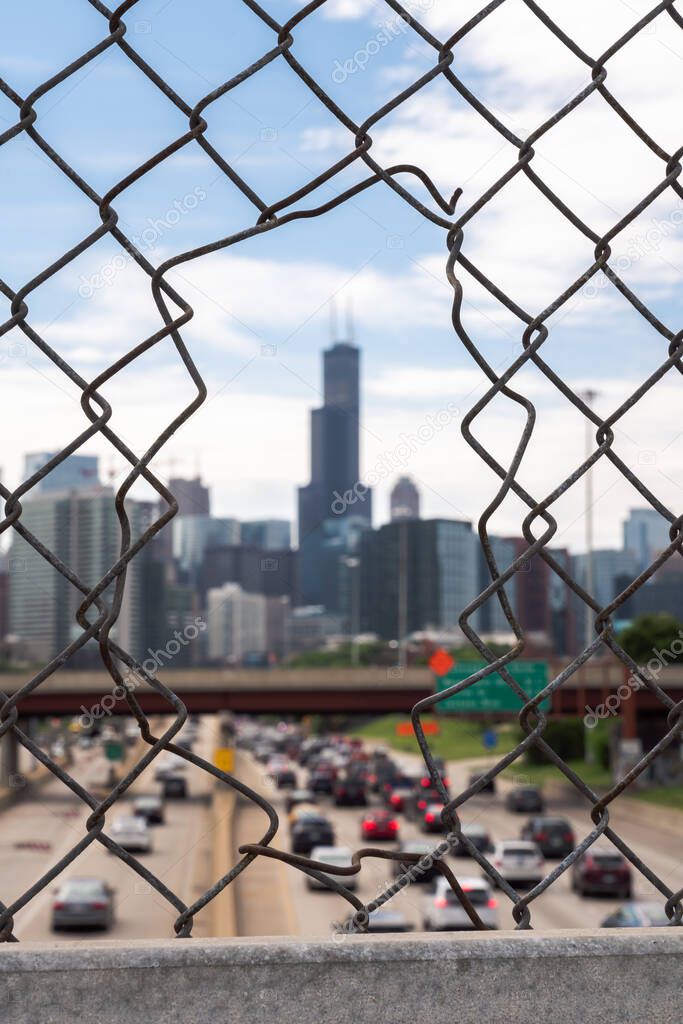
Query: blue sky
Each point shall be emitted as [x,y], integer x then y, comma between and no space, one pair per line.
[263,308]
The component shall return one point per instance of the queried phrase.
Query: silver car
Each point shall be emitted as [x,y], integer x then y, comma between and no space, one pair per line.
[518,861]
[132,833]
[83,903]
[339,856]
[443,911]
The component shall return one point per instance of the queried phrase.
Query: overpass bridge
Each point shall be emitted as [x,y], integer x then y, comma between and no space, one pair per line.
[302,690]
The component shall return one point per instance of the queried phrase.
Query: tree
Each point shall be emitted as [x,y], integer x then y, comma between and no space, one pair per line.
[650,635]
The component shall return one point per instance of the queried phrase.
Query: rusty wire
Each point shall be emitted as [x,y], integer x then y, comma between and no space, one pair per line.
[97,615]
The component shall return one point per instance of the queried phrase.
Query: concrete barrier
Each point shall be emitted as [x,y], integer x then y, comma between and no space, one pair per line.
[627,977]
[223,911]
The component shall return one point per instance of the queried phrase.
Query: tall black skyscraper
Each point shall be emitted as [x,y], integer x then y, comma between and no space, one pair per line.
[335,492]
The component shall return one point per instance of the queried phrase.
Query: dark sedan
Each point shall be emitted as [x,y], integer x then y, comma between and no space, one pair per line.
[525,800]
[553,836]
[309,831]
[151,808]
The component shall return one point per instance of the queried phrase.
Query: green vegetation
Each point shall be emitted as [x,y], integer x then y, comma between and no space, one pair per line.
[649,634]
[341,657]
[665,796]
[594,775]
[458,738]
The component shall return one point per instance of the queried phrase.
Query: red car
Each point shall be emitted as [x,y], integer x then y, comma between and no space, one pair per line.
[397,797]
[379,824]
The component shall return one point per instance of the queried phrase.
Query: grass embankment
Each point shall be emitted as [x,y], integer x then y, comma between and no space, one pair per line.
[457,739]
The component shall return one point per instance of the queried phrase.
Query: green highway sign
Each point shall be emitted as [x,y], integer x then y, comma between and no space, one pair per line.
[113,750]
[492,693]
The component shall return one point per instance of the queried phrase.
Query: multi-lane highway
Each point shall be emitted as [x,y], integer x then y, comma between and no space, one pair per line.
[42,827]
[282,903]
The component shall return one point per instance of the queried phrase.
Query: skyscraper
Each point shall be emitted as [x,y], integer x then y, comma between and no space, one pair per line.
[646,533]
[76,472]
[441,576]
[81,528]
[404,502]
[192,496]
[269,534]
[335,490]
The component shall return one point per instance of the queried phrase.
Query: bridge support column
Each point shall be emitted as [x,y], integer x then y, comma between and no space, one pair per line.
[9,760]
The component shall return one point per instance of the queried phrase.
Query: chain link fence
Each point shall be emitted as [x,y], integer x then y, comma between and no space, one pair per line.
[101,605]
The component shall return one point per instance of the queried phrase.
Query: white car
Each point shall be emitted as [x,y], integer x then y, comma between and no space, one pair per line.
[518,861]
[169,764]
[443,911]
[132,833]
[339,856]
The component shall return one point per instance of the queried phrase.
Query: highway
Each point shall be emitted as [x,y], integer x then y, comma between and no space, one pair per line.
[55,818]
[287,906]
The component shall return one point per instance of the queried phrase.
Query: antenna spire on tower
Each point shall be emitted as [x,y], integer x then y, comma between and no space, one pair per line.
[350,332]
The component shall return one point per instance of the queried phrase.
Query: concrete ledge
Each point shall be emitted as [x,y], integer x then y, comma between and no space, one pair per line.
[628,977]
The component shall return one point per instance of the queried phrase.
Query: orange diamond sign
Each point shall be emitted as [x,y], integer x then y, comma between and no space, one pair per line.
[441,662]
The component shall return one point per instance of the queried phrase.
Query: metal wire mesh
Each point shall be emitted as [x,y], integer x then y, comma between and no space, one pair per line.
[97,616]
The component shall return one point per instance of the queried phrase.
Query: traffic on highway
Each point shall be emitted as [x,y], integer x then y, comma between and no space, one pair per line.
[163,820]
[335,794]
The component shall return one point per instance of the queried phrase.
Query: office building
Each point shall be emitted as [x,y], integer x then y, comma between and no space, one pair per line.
[236,623]
[75,472]
[192,496]
[194,534]
[646,533]
[434,562]
[268,534]
[81,528]
[257,571]
[404,501]
[335,491]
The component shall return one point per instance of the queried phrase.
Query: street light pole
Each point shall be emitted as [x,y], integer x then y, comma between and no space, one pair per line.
[402,593]
[353,565]
[589,396]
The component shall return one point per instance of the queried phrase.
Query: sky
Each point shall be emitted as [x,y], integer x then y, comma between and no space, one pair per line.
[265,308]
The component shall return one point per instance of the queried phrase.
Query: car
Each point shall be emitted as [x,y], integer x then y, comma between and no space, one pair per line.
[383,921]
[298,796]
[174,786]
[477,835]
[151,808]
[285,778]
[83,903]
[420,874]
[425,780]
[443,911]
[416,804]
[553,836]
[276,763]
[379,824]
[524,800]
[602,871]
[132,834]
[302,811]
[431,819]
[349,791]
[518,861]
[488,789]
[169,765]
[636,914]
[338,856]
[321,780]
[309,831]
